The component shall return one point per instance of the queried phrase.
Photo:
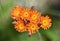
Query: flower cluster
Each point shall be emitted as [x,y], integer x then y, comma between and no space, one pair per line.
[29,20]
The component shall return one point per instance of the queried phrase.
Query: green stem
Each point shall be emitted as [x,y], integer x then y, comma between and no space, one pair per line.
[39,36]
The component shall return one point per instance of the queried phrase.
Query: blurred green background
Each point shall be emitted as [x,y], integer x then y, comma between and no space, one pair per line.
[46,7]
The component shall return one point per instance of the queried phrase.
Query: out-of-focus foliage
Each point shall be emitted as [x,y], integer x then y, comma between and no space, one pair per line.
[7,31]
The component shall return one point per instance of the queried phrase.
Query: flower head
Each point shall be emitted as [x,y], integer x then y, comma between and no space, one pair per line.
[32,28]
[25,14]
[45,22]
[34,15]
[15,12]
[19,26]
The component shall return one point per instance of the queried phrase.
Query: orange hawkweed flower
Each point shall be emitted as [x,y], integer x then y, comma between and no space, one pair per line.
[34,15]
[16,11]
[29,20]
[25,13]
[45,22]
[32,28]
[19,26]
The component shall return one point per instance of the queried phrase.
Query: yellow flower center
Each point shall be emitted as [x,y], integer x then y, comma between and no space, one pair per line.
[45,22]
[34,17]
[33,27]
[21,26]
[25,14]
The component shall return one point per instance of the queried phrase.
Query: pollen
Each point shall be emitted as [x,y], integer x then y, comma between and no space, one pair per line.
[26,14]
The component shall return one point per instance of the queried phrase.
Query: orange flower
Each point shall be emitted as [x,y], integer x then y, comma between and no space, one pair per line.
[45,22]
[19,26]
[29,20]
[32,28]
[25,13]
[34,15]
[16,11]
